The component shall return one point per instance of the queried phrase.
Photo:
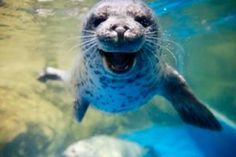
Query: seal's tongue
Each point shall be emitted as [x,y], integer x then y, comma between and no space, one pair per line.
[119,62]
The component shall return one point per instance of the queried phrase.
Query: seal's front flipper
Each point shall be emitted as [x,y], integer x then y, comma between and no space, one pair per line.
[80,108]
[190,109]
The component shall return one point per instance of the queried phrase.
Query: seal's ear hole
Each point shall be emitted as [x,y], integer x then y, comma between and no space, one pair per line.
[98,20]
[143,20]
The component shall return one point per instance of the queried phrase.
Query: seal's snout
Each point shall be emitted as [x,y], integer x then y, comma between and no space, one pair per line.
[120,30]
[119,35]
[127,33]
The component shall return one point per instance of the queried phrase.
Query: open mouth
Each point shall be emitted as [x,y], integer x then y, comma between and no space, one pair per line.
[119,62]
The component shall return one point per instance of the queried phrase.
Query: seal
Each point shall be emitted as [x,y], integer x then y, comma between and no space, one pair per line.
[120,67]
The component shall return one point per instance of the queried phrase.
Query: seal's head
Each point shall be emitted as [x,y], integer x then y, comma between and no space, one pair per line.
[120,29]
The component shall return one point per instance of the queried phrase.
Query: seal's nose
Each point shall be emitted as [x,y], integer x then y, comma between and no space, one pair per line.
[120,30]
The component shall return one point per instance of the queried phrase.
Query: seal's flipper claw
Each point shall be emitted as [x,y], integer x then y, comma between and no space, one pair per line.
[42,77]
[80,108]
[190,109]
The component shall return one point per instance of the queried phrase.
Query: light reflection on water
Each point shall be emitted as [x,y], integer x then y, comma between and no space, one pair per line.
[36,33]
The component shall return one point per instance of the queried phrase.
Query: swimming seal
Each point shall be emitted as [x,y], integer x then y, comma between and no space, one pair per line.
[120,67]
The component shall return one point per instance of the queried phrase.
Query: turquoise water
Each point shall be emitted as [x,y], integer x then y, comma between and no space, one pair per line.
[36,119]
[206,30]
[185,142]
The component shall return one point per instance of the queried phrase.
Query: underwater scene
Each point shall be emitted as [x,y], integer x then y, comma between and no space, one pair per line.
[198,38]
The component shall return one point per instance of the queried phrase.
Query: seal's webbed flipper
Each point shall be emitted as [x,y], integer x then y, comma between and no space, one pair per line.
[190,109]
[80,108]
[50,73]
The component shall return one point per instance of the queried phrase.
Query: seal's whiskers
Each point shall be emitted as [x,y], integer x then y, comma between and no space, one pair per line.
[88,31]
[164,48]
[87,43]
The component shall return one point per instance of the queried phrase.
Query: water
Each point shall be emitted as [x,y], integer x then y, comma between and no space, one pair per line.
[36,119]
[185,142]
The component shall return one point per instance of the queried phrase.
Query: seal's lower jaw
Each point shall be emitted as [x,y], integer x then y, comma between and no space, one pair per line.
[119,62]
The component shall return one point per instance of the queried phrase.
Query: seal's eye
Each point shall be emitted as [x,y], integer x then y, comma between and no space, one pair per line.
[98,20]
[143,20]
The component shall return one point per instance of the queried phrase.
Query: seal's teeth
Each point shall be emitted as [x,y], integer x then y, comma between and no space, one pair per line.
[119,63]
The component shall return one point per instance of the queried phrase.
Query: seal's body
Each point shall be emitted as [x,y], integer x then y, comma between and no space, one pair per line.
[120,67]
[116,94]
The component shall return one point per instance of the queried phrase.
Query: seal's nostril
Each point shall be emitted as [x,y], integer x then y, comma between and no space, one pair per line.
[120,31]
[113,27]
[126,27]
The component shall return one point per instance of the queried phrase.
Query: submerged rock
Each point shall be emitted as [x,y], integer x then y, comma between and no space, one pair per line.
[105,146]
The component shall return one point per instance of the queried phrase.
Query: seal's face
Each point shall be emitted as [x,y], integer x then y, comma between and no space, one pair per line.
[120,29]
